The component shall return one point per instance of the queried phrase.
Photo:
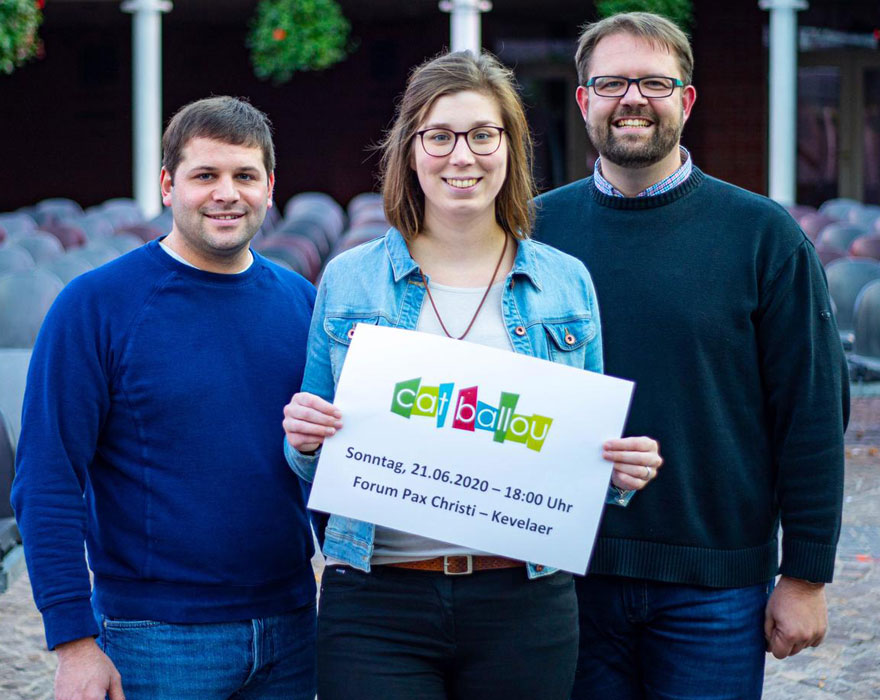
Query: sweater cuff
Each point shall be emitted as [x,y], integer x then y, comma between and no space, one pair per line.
[67,621]
[809,561]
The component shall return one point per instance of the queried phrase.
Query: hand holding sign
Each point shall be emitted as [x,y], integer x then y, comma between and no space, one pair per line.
[308,419]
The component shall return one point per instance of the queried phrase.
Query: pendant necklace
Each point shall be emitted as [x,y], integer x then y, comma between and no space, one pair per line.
[482,301]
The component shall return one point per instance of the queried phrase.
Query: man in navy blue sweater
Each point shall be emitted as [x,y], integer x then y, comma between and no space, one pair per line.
[151,434]
[715,303]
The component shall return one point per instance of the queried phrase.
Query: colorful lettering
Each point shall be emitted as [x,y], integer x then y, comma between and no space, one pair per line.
[506,407]
[404,397]
[410,398]
[466,409]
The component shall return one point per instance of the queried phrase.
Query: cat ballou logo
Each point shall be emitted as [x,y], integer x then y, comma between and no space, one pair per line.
[468,412]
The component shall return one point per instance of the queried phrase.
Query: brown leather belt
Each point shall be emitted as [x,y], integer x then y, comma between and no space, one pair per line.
[459,565]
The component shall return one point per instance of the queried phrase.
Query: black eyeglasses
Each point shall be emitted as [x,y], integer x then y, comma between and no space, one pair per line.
[482,140]
[652,86]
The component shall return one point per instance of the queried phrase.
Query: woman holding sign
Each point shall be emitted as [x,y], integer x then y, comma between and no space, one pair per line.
[395,621]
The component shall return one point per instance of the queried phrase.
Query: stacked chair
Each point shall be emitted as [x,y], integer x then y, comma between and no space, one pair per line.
[45,246]
[846,279]
[366,221]
[299,240]
[25,297]
[847,238]
[866,327]
[14,258]
[10,538]
[315,228]
[7,468]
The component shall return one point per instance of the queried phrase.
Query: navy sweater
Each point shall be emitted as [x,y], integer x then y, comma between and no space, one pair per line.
[152,430]
[715,303]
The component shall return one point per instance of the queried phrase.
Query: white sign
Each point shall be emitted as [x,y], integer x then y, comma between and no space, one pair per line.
[471,445]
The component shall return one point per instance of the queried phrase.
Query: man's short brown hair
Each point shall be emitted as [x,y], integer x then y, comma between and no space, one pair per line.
[227,119]
[655,29]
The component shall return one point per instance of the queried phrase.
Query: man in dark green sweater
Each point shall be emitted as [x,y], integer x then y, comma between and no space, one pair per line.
[715,303]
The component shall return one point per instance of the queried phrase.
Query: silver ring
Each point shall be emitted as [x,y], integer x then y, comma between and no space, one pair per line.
[647,473]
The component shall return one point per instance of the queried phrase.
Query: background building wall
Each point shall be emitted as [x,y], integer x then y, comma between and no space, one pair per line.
[66,119]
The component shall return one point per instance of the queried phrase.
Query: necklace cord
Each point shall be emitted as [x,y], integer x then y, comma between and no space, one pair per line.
[482,301]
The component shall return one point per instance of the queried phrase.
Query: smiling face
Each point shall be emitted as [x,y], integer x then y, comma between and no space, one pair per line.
[460,185]
[632,131]
[218,196]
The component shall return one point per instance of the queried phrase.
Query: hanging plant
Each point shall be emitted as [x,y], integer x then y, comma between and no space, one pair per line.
[19,42]
[679,11]
[296,35]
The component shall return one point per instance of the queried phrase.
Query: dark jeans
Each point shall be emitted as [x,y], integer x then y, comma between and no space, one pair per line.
[418,635]
[271,658]
[644,639]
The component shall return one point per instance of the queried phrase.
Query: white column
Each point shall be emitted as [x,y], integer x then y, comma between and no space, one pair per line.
[146,34]
[464,23]
[783,97]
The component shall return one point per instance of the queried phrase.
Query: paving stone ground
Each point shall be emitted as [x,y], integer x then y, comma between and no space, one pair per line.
[846,665]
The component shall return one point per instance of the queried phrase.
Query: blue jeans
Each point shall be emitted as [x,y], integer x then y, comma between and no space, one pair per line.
[646,639]
[269,658]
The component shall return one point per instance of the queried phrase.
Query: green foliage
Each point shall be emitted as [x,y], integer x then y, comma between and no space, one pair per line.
[19,42]
[296,35]
[679,11]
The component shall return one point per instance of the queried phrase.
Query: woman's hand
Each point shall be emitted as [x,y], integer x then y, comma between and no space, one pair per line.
[636,461]
[308,419]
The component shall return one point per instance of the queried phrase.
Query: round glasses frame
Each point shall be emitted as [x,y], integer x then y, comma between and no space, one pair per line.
[625,83]
[467,134]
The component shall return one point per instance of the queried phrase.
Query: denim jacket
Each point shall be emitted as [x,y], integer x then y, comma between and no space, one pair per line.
[549,308]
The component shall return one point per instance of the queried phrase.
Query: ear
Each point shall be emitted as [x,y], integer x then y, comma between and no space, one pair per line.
[166,184]
[688,97]
[582,96]
[271,181]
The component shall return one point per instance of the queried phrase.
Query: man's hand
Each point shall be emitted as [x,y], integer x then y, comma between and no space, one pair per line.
[635,459]
[86,673]
[796,617]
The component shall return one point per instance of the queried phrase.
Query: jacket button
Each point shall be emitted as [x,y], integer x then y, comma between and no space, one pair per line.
[519,330]
[569,339]
[350,333]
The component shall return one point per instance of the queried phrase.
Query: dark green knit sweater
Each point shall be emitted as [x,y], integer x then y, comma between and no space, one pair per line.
[715,303]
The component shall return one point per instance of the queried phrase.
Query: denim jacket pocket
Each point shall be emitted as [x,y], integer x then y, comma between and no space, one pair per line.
[567,339]
[340,330]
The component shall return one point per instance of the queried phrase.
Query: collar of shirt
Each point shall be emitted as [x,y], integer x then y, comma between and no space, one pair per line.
[677,178]
[184,261]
